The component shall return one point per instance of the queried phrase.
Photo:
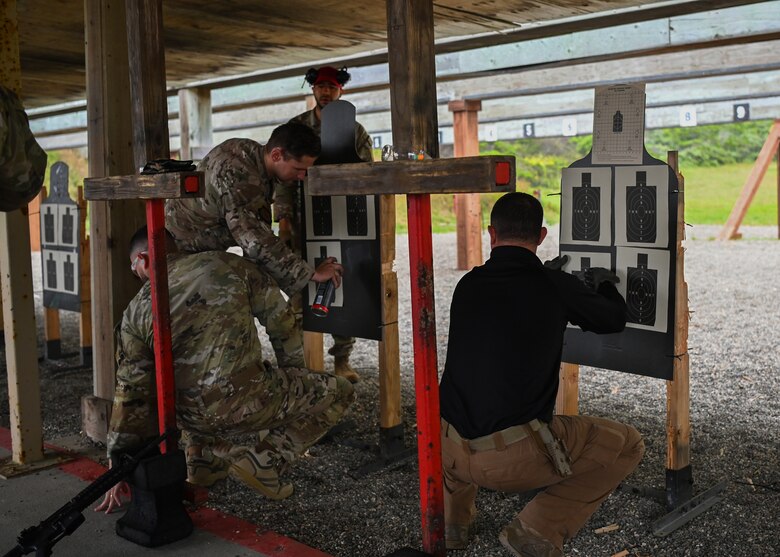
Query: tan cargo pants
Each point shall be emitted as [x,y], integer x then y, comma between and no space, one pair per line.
[603,453]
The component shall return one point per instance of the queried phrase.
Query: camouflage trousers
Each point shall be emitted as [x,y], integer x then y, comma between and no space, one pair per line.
[289,410]
[342,346]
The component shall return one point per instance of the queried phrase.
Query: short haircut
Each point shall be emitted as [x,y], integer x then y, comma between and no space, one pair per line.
[296,140]
[517,216]
[140,240]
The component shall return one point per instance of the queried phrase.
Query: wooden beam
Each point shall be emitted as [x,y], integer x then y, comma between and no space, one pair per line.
[168,185]
[112,223]
[769,151]
[492,173]
[468,208]
[415,127]
[21,352]
[678,399]
[196,130]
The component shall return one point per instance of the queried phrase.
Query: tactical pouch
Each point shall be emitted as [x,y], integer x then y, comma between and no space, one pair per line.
[551,445]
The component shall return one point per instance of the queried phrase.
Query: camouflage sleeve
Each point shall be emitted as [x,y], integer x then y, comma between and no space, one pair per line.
[285,201]
[363,144]
[134,414]
[248,216]
[277,316]
[22,161]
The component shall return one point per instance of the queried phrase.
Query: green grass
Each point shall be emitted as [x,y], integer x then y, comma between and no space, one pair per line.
[710,193]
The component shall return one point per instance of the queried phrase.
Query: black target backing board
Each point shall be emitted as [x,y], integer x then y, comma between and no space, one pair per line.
[345,227]
[641,245]
[60,246]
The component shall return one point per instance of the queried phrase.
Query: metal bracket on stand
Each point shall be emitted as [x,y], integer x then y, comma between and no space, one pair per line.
[391,449]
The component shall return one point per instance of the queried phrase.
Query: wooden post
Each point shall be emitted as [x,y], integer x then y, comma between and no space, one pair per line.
[567,400]
[146,59]
[112,223]
[389,357]
[196,130]
[85,321]
[730,230]
[415,127]
[468,209]
[24,397]
[34,213]
[679,483]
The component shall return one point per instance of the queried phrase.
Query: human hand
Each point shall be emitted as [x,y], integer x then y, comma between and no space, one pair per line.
[557,263]
[328,269]
[113,499]
[594,276]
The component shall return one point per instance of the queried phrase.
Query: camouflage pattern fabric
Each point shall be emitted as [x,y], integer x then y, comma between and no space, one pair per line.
[22,161]
[287,205]
[236,211]
[222,385]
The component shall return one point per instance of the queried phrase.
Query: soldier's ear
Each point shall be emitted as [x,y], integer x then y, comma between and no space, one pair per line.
[277,154]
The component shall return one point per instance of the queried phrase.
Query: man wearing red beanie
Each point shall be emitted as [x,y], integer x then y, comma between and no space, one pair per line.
[327,84]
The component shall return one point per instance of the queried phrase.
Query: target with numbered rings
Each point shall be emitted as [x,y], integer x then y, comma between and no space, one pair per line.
[641,293]
[641,211]
[586,211]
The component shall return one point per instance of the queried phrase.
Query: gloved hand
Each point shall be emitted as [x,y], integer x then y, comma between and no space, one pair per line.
[556,263]
[594,276]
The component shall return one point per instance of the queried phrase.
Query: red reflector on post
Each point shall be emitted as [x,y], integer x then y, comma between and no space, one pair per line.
[191,184]
[503,172]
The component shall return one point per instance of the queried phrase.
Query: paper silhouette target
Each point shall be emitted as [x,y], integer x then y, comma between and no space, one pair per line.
[644,275]
[642,206]
[585,206]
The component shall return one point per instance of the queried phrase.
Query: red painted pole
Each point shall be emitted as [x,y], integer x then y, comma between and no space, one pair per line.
[426,377]
[161,318]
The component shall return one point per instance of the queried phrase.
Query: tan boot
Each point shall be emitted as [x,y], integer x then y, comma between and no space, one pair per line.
[342,368]
[258,469]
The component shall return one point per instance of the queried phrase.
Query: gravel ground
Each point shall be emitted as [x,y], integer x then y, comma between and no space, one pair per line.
[735,414]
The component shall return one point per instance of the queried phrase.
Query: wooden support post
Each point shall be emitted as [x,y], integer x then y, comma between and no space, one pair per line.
[112,223]
[34,213]
[85,321]
[146,60]
[415,127]
[389,357]
[730,230]
[679,481]
[468,209]
[24,398]
[567,400]
[196,130]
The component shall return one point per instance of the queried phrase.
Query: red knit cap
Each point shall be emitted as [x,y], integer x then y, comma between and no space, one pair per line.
[327,74]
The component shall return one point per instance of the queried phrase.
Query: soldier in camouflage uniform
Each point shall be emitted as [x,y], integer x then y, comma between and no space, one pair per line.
[236,209]
[223,387]
[22,161]
[327,84]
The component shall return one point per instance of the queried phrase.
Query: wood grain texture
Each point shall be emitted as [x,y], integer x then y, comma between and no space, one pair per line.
[467,174]
[169,185]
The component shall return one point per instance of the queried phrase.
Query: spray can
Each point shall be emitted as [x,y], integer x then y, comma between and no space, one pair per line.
[326,292]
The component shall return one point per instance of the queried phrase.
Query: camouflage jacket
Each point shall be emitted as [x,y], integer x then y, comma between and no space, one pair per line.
[236,211]
[22,161]
[285,201]
[214,298]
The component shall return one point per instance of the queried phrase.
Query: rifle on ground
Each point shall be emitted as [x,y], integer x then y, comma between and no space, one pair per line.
[69,517]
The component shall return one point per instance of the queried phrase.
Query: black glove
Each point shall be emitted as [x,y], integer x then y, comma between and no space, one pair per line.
[556,263]
[594,276]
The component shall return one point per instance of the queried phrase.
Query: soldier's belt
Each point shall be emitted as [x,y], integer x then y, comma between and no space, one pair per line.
[227,388]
